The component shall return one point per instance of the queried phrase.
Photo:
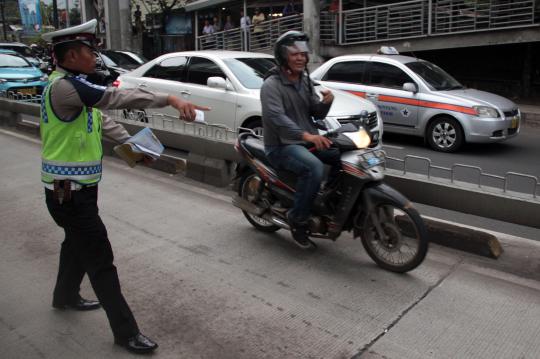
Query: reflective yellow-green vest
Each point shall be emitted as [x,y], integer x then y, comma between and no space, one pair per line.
[70,149]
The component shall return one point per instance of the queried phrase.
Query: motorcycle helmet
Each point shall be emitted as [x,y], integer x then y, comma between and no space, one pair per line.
[290,41]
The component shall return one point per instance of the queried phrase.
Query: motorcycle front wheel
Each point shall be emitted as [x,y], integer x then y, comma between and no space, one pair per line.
[248,190]
[395,237]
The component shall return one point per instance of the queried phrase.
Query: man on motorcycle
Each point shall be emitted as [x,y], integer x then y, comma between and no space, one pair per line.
[289,104]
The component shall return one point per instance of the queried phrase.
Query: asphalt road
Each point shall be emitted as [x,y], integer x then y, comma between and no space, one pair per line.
[520,154]
[205,284]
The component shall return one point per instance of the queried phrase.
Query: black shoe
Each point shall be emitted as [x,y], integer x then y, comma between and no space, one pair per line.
[137,344]
[81,304]
[299,231]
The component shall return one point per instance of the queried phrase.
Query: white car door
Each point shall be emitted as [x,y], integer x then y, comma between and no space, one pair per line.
[222,102]
[166,77]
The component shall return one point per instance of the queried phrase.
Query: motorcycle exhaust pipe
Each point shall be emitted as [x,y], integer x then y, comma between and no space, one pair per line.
[250,208]
[277,221]
[247,206]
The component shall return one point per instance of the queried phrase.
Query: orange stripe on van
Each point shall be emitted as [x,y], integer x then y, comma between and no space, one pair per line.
[359,94]
[428,104]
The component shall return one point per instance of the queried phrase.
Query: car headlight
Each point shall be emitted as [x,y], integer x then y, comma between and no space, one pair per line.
[485,111]
[44,78]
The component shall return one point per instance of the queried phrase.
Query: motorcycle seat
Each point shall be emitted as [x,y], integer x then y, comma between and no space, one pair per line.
[256,148]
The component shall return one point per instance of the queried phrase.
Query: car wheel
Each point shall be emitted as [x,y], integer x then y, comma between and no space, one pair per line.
[445,134]
[135,115]
[256,126]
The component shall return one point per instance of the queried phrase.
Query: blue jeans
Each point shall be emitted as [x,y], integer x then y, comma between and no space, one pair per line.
[309,168]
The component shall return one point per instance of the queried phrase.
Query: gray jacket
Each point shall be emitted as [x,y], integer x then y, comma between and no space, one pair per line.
[287,111]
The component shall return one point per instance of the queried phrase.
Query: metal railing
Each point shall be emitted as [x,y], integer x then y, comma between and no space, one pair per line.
[222,133]
[233,39]
[328,27]
[394,21]
[454,16]
[481,176]
[258,37]
[169,123]
[421,18]
[20,96]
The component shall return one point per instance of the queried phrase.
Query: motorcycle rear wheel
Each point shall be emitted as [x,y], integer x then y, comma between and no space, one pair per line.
[404,243]
[249,184]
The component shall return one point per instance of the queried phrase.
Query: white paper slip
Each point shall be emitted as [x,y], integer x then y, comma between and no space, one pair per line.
[199,116]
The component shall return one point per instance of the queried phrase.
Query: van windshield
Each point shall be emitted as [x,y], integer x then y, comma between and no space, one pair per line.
[436,78]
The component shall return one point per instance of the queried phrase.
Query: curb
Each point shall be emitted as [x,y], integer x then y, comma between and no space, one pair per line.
[463,238]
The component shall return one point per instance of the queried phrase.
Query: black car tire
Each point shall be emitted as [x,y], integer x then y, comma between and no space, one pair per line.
[255,125]
[444,134]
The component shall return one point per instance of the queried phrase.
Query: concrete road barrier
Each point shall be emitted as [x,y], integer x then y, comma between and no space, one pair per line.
[212,161]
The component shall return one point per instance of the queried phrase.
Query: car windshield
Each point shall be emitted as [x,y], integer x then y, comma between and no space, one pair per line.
[107,60]
[7,60]
[23,50]
[138,58]
[122,60]
[436,78]
[250,71]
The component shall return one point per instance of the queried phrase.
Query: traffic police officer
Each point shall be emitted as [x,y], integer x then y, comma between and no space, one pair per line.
[71,127]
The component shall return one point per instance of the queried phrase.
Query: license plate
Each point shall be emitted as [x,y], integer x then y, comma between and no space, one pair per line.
[515,123]
[28,91]
[372,159]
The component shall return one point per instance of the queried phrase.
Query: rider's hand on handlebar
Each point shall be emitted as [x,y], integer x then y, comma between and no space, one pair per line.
[320,142]
[328,97]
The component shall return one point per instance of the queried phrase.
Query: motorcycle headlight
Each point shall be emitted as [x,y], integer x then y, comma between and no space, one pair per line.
[360,138]
[485,111]
[44,78]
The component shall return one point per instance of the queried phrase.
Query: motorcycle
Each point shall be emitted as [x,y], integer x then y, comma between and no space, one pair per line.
[358,201]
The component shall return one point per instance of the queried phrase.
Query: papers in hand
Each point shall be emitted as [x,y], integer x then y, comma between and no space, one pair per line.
[199,116]
[142,143]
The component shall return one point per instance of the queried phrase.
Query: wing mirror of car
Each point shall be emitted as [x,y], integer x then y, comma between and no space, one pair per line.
[410,86]
[217,82]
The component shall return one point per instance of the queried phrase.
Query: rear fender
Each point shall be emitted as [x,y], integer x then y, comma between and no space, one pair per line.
[242,168]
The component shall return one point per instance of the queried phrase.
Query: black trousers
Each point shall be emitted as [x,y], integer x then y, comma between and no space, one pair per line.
[86,249]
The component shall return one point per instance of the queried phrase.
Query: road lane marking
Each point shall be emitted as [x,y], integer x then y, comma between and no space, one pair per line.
[394,147]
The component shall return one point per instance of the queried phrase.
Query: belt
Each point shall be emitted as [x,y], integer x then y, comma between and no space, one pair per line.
[74,186]
[62,189]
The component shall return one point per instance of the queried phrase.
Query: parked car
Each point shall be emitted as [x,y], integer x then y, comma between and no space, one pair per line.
[229,82]
[25,51]
[418,98]
[19,76]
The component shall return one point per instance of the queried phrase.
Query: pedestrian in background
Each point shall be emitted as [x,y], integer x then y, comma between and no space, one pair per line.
[258,30]
[208,28]
[216,23]
[289,9]
[228,23]
[245,23]
[71,128]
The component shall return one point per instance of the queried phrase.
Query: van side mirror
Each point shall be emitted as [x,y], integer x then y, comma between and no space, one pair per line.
[217,82]
[410,86]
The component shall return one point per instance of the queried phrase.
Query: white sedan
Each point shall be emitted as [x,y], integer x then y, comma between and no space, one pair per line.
[229,82]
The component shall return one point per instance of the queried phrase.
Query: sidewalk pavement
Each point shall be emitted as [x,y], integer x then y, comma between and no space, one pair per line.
[204,284]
